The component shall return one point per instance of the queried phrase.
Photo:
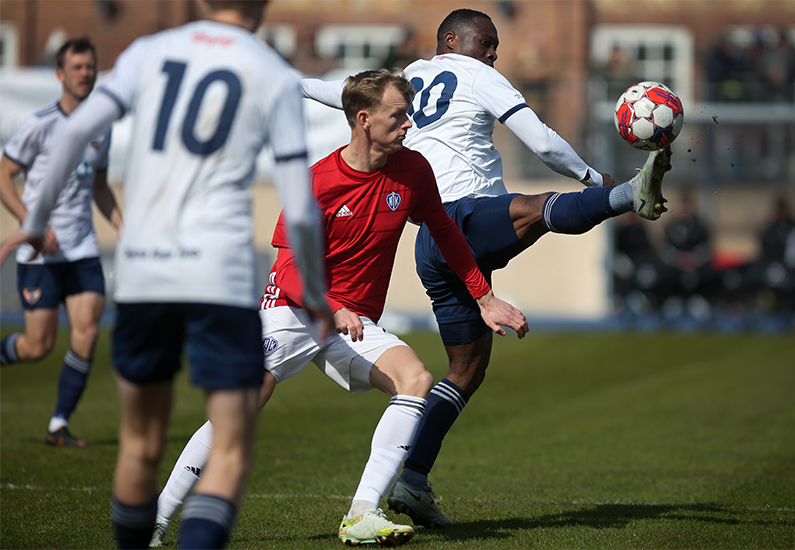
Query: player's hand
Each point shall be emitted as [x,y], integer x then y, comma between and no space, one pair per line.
[496,312]
[347,322]
[607,180]
[18,238]
[51,245]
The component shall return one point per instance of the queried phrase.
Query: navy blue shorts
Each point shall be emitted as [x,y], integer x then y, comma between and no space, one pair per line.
[47,285]
[486,224]
[223,344]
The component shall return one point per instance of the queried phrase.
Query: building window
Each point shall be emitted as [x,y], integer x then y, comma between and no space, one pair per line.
[631,53]
[8,45]
[281,38]
[358,47]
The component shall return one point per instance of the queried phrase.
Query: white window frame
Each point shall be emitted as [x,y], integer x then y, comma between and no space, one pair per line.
[283,38]
[355,39]
[8,35]
[678,71]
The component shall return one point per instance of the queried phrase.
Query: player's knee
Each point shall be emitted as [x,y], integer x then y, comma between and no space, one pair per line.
[417,382]
[35,350]
[424,383]
[85,338]
[528,209]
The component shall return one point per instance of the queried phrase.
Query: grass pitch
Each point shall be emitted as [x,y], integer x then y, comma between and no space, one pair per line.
[574,441]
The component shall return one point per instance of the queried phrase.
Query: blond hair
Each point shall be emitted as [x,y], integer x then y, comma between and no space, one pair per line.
[363,91]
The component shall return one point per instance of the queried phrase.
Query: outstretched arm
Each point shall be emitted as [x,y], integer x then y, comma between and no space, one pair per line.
[553,150]
[9,170]
[93,117]
[327,92]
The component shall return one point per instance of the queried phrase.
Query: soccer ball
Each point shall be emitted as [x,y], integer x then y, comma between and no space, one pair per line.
[649,116]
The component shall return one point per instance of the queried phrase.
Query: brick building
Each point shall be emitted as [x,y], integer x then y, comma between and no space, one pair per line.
[548,47]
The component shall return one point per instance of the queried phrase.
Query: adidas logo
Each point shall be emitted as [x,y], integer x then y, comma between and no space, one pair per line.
[195,470]
[344,212]
[406,448]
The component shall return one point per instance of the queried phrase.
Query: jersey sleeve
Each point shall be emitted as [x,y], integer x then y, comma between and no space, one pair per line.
[327,92]
[496,95]
[122,83]
[24,145]
[499,98]
[103,160]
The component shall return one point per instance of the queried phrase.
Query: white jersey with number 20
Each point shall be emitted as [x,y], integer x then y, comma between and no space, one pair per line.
[201,96]
[458,101]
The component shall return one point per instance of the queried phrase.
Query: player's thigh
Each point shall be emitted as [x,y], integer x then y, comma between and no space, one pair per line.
[40,286]
[224,346]
[491,232]
[398,370]
[147,341]
[289,340]
[84,310]
[349,363]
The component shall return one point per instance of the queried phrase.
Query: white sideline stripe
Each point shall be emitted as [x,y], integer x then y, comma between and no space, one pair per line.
[696,507]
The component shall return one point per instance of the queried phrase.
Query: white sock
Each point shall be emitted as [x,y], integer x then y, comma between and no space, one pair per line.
[391,442]
[56,423]
[621,199]
[186,473]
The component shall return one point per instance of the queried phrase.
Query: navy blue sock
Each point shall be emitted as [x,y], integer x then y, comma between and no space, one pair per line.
[576,213]
[134,525]
[71,383]
[8,350]
[207,522]
[445,403]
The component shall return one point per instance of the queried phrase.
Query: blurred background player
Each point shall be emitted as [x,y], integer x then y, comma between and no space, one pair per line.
[366,191]
[454,132]
[205,98]
[68,270]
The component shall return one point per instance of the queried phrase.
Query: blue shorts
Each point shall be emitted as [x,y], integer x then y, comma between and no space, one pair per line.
[223,344]
[45,286]
[486,224]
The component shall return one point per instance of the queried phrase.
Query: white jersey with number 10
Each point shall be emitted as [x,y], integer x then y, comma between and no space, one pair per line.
[201,97]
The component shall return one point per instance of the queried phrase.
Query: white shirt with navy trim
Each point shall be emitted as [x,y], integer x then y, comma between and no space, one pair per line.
[71,220]
[457,103]
[203,99]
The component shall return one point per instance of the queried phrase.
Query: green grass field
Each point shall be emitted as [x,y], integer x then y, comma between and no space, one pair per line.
[574,441]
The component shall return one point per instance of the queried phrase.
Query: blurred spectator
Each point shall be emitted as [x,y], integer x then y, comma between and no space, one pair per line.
[774,237]
[724,82]
[770,280]
[618,72]
[777,66]
[640,279]
[403,53]
[688,248]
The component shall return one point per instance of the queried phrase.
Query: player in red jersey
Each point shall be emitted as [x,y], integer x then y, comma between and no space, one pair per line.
[366,192]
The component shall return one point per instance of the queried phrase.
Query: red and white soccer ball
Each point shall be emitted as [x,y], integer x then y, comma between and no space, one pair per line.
[649,116]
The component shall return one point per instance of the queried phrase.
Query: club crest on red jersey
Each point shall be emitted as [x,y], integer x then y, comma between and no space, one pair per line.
[393,201]
[32,294]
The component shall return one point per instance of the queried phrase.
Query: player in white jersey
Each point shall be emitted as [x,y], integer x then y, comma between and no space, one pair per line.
[205,98]
[460,96]
[69,270]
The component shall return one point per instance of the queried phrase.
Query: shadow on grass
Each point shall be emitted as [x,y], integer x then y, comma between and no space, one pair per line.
[604,516]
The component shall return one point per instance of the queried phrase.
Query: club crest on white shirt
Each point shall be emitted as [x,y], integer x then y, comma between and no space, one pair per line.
[393,201]
[269,344]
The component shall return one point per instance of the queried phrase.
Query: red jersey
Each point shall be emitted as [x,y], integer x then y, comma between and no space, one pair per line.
[364,214]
